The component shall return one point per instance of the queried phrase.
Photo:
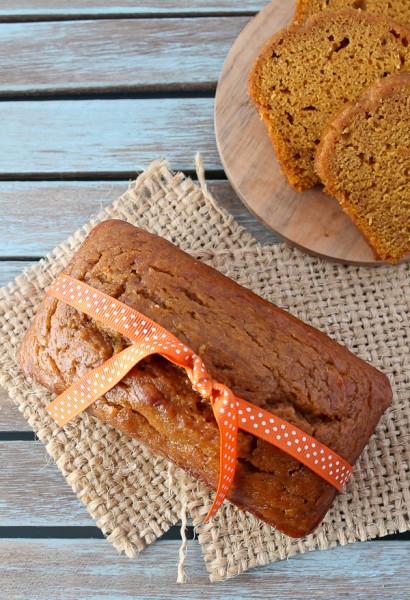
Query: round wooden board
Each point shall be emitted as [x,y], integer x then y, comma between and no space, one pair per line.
[310,220]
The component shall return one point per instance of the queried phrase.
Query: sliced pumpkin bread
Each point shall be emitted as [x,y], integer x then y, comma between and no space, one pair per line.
[397,10]
[306,73]
[364,161]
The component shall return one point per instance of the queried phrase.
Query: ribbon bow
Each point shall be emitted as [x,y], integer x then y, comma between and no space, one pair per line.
[230,411]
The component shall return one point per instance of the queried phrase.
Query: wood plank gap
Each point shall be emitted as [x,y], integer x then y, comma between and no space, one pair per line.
[19,258]
[17,436]
[115,16]
[217,174]
[60,533]
[395,537]
[141,92]
[77,532]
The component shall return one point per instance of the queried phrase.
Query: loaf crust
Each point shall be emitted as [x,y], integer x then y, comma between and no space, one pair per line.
[306,73]
[364,161]
[397,10]
[262,353]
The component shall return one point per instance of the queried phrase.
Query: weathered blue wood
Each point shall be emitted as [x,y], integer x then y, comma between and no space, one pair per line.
[112,55]
[72,569]
[105,136]
[118,138]
[110,8]
[10,418]
[10,269]
[33,491]
[56,209]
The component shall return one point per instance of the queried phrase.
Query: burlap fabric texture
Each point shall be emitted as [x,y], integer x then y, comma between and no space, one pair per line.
[134,496]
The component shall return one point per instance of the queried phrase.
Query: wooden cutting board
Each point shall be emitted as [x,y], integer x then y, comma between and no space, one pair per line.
[310,220]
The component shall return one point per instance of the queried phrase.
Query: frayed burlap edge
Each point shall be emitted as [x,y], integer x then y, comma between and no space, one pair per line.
[130,492]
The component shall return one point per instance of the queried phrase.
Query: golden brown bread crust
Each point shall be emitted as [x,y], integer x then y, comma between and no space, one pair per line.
[261,352]
[364,161]
[305,73]
[397,10]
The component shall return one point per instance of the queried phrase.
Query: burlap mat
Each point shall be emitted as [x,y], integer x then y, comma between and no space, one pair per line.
[134,496]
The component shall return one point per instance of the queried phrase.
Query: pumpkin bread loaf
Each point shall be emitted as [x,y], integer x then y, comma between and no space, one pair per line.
[364,161]
[396,10]
[305,74]
[262,353]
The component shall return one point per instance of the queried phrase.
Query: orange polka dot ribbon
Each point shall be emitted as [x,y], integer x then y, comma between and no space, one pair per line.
[231,413]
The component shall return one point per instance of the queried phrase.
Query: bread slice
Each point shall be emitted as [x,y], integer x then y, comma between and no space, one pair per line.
[305,74]
[397,10]
[364,161]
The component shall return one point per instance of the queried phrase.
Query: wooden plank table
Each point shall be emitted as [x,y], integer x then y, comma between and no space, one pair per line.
[90,93]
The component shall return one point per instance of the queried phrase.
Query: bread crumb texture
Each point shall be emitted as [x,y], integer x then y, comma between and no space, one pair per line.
[397,10]
[364,161]
[305,74]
